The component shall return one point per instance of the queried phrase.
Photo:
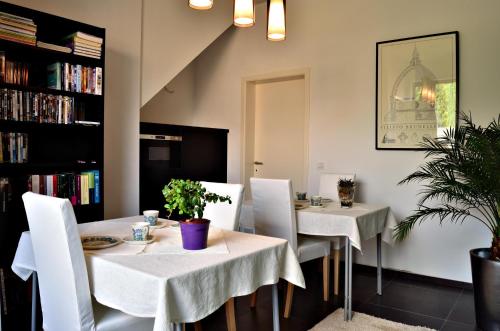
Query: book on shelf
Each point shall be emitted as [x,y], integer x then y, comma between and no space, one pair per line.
[13,72]
[75,78]
[39,107]
[84,44]
[53,47]
[13,147]
[80,188]
[18,29]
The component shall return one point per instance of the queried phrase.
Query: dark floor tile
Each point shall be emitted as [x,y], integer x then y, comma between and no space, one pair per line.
[463,311]
[455,326]
[431,301]
[400,316]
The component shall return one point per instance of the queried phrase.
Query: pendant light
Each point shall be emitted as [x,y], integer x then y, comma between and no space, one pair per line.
[244,13]
[276,20]
[201,4]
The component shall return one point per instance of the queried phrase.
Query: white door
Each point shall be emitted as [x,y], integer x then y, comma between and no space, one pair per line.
[279,132]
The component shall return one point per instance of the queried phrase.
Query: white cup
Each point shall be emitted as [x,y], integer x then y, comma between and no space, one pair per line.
[140,231]
[151,216]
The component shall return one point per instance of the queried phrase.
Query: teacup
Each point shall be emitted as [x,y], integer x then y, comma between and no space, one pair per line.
[315,200]
[140,231]
[301,195]
[151,216]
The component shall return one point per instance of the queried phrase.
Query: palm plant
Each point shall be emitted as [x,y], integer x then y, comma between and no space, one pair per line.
[462,174]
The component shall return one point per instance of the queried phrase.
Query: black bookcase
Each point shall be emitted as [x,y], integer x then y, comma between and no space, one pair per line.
[52,148]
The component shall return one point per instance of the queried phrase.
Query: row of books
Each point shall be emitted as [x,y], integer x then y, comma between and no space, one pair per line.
[17,28]
[80,188]
[74,78]
[85,44]
[40,107]
[13,147]
[13,72]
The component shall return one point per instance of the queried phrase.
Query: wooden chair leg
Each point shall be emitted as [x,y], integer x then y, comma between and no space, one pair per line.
[230,315]
[336,264]
[289,298]
[197,326]
[326,278]
[253,299]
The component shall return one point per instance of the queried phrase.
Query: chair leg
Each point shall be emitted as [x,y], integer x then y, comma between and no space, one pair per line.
[289,298]
[326,278]
[197,326]
[253,299]
[230,315]
[336,264]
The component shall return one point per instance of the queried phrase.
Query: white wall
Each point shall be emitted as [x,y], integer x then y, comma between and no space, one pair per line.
[336,39]
[173,35]
[122,20]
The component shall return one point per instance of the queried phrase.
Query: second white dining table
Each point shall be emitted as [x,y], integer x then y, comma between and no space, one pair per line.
[360,222]
[173,285]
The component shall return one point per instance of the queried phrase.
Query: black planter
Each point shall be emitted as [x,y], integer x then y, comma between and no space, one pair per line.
[486,282]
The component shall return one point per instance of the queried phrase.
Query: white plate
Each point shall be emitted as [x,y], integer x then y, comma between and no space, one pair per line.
[299,206]
[320,206]
[99,242]
[158,225]
[129,240]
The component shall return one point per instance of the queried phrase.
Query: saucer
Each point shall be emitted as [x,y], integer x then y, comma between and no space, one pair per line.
[99,242]
[129,240]
[318,206]
[159,225]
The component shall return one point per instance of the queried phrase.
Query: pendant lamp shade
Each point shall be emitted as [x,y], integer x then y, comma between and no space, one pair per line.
[276,20]
[201,4]
[244,13]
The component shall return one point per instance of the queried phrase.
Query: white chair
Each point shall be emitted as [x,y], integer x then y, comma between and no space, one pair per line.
[328,189]
[224,215]
[62,272]
[274,213]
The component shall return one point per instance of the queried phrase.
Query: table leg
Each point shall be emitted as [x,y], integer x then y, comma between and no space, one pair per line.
[349,312]
[276,312]
[379,264]
[34,289]
[348,281]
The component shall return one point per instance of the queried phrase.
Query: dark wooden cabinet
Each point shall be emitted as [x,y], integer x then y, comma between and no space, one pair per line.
[184,152]
[52,148]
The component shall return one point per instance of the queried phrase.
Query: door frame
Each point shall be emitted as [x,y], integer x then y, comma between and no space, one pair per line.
[247,101]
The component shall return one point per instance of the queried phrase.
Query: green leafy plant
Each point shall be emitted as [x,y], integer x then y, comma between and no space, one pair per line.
[189,198]
[462,175]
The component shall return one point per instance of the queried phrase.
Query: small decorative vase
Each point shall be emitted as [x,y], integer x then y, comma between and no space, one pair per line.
[195,233]
[346,196]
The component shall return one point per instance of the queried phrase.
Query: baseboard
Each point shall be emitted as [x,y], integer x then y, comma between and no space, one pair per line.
[411,276]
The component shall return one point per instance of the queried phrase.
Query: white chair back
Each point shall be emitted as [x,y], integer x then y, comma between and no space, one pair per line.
[224,215]
[274,209]
[328,184]
[62,273]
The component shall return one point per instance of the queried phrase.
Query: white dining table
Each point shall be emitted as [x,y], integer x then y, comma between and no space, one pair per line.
[177,286]
[360,222]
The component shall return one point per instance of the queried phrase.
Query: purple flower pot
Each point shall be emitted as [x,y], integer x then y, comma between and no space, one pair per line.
[195,233]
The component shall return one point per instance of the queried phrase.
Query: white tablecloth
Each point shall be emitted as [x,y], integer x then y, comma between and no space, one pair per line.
[179,287]
[361,222]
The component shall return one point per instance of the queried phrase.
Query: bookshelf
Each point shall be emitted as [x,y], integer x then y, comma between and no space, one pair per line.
[53,148]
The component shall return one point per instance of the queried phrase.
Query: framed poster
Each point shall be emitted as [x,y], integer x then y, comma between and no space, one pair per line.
[417,90]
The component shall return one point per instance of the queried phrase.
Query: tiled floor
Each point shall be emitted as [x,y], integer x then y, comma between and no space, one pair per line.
[403,300]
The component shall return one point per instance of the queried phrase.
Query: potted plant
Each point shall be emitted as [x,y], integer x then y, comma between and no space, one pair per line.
[345,189]
[189,199]
[462,174]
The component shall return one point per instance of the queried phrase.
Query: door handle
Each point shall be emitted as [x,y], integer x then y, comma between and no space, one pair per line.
[258,163]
